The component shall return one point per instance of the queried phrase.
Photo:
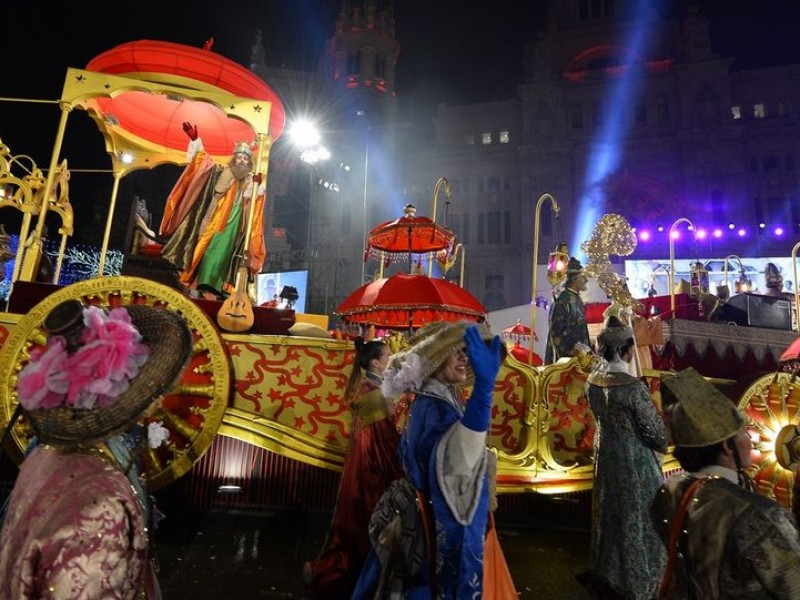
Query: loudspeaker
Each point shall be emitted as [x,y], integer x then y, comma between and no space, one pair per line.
[755,310]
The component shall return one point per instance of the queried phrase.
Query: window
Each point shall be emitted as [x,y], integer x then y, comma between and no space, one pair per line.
[480,184]
[576,119]
[609,8]
[456,185]
[481,221]
[352,63]
[493,184]
[465,229]
[754,165]
[466,186]
[469,139]
[507,227]
[507,181]
[503,138]
[583,10]
[769,163]
[759,110]
[662,110]
[486,138]
[641,114]
[493,227]
[736,112]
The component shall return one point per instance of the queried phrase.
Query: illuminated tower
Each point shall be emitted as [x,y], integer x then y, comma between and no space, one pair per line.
[363,56]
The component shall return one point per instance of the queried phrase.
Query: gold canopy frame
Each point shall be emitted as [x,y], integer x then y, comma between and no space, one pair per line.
[82,87]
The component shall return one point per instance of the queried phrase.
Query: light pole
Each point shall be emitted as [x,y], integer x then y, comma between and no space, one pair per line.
[363,115]
[306,139]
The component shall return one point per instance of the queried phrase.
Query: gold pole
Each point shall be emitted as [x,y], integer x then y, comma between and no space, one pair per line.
[447,193]
[33,254]
[463,262]
[556,210]
[107,233]
[725,265]
[672,262]
[796,292]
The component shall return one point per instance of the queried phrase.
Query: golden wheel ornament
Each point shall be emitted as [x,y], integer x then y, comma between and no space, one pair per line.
[192,410]
[772,407]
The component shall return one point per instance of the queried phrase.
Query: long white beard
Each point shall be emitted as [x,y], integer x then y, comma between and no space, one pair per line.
[240,172]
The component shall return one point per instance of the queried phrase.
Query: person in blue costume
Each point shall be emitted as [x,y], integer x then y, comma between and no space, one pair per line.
[446,461]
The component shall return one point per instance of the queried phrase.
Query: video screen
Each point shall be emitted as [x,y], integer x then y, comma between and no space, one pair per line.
[270,285]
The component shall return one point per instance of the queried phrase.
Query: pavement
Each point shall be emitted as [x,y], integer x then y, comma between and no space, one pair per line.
[220,554]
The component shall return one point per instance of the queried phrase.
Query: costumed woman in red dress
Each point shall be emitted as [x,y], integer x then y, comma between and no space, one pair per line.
[371,464]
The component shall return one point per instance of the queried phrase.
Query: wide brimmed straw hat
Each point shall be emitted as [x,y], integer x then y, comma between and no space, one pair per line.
[169,340]
[699,414]
[430,347]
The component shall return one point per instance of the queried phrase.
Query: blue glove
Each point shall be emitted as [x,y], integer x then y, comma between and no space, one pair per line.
[485,362]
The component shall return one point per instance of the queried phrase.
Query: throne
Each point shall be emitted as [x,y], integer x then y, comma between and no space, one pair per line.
[143,249]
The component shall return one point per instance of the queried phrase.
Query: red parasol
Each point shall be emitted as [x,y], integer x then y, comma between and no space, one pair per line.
[408,302]
[518,332]
[408,235]
[155,120]
[791,356]
[523,355]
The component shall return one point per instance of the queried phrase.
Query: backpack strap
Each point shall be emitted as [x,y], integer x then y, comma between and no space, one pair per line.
[675,534]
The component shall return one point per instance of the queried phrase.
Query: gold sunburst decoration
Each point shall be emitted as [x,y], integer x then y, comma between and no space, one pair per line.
[772,408]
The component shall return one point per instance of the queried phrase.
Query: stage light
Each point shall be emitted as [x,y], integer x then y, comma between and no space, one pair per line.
[762,225]
[660,229]
[731,226]
[779,231]
[644,236]
[741,232]
[675,235]
[717,233]
[701,234]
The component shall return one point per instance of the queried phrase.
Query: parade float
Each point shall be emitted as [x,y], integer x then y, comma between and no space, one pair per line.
[268,389]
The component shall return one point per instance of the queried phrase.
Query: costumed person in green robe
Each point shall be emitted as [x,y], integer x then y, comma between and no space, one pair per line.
[206,219]
[626,559]
[732,542]
[567,317]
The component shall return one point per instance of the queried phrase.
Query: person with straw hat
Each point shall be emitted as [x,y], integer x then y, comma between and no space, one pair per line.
[568,332]
[723,539]
[78,518]
[438,550]
[626,558]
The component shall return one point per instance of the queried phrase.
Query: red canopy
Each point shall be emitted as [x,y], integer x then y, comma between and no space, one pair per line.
[409,234]
[158,118]
[408,302]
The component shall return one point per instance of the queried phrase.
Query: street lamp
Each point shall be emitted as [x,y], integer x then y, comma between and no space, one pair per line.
[556,210]
[672,262]
[306,138]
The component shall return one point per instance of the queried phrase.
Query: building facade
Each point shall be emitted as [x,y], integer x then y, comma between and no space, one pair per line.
[622,110]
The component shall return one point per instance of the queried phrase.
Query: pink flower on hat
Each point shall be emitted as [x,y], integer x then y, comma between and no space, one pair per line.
[95,374]
[42,383]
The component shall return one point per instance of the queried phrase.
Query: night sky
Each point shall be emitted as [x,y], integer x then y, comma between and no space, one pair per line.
[463,51]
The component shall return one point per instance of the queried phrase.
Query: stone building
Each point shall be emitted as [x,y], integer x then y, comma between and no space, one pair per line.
[622,109]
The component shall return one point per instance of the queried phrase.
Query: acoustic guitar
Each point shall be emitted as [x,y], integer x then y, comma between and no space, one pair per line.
[236,313]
